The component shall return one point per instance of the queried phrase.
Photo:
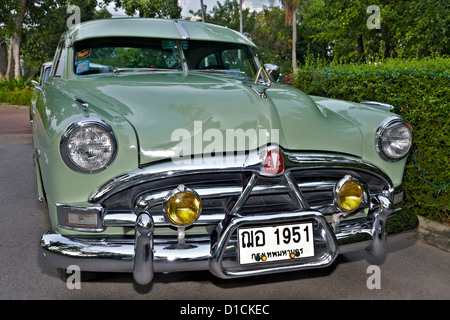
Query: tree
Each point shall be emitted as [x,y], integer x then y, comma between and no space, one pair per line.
[151,8]
[228,14]
[15,27]
[241,27]
[272,37]
[291,20]
[408,28]
[45,23]
[4,16]
[202,8]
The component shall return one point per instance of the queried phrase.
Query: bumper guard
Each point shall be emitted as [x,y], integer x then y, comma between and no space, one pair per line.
[146,254]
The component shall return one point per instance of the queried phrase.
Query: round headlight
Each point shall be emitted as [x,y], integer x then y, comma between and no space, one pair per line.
[182,206]
[88,146]
[349,194]
[394,139]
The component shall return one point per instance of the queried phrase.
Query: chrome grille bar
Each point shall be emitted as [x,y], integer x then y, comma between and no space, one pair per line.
[308,179]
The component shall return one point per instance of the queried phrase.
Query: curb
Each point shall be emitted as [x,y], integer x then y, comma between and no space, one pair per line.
[4,105]
[434,233]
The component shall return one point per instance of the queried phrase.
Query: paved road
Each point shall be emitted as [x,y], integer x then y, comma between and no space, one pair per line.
[14,121]
[413,269]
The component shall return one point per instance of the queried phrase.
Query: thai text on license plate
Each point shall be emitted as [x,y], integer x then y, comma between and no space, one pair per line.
[274,243]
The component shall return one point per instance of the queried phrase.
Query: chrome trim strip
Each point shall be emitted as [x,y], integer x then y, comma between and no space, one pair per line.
[244,195]
[324,161]
[239,163]
[128,219]
[181,30]
[121,219]
[375,103]
[162,171]
[296,190]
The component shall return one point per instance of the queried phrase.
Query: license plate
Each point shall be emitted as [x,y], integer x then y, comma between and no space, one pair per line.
[274,243]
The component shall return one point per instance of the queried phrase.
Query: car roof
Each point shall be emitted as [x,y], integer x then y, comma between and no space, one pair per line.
[155,28]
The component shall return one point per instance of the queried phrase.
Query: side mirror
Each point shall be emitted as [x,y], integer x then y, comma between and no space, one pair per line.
[272,70]
[36,85]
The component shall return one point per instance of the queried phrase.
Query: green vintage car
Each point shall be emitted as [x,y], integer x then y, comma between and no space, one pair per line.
[165,146]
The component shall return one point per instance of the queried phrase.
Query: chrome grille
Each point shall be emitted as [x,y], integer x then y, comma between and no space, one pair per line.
[220,191]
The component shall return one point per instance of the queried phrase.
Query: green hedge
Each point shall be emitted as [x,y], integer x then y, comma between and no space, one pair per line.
[420,92]
[16,92]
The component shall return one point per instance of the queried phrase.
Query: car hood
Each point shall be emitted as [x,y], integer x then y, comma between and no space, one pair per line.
[180,114]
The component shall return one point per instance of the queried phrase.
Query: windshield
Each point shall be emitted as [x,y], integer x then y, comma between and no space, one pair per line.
[106,55]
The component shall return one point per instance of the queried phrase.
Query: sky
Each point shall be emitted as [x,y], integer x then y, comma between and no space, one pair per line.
[193,5]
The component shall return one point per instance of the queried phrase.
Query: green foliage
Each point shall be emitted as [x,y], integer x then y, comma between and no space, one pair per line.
[419,91]
[407,29]
[150,8]
[268,31]
[16,92]
[227,14]
[49,21]
[273,38]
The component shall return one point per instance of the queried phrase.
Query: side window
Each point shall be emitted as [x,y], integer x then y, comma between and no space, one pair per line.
[236,59]
[58,62]
[45,75]
[61,62]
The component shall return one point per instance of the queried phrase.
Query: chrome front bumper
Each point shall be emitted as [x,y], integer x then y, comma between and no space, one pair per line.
[146,254]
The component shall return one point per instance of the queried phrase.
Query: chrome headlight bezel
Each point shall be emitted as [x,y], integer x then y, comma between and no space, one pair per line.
[383,129]
[82,124]
[364,198]
[179,190]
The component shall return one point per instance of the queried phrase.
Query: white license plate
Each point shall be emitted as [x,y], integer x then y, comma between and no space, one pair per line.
[274,243]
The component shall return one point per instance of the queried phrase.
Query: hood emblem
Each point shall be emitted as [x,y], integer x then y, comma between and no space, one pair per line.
[260,86]
[273,163]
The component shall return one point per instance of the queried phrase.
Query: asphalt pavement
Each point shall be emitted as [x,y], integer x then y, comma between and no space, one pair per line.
[413,269]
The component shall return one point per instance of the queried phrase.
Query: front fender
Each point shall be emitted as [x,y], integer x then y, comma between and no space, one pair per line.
[62,184]
[367,118]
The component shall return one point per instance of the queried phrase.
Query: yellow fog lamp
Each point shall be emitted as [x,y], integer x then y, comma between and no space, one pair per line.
[182,206]
[349,194]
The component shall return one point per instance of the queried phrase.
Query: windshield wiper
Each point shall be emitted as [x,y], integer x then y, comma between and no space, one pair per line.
[117,70]
[224,71]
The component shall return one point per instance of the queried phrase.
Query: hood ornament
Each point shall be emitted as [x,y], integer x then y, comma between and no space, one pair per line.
[258,85]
